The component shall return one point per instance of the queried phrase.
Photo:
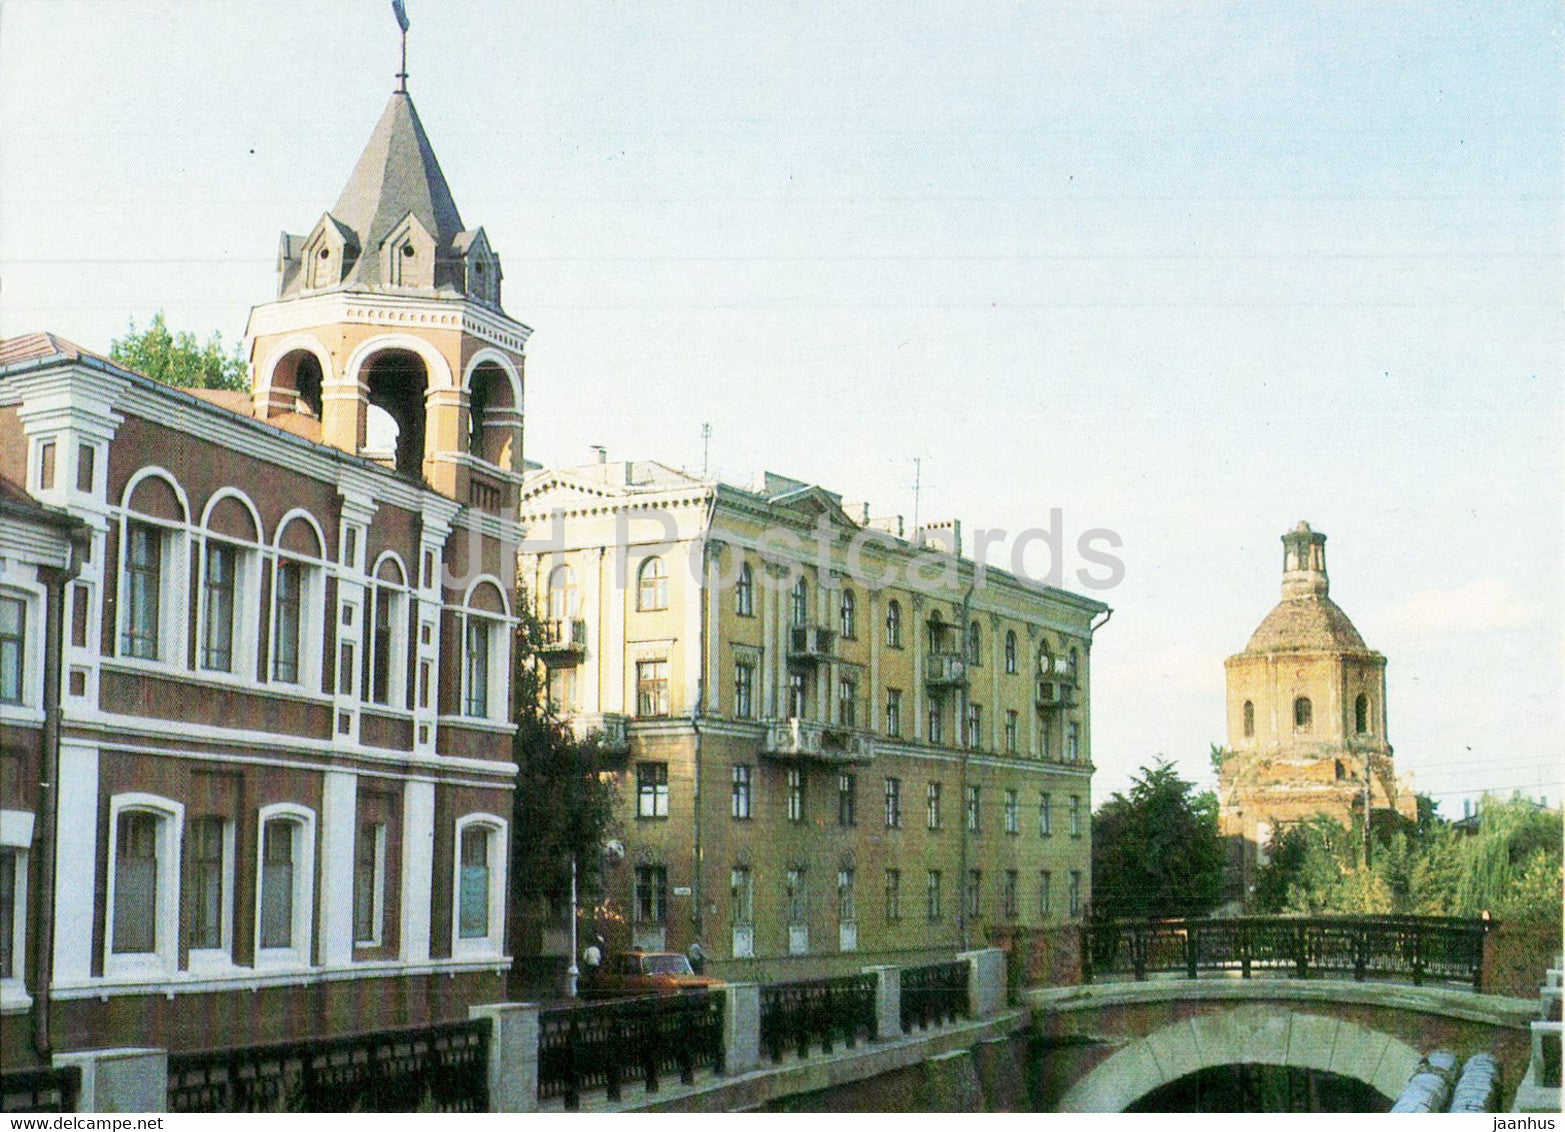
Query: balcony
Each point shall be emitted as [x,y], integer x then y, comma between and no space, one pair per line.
[806,739]
[612,730]
[811,643]
[1056,693]
[562,641]
[945,670]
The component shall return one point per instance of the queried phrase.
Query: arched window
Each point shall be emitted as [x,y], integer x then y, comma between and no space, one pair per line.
[485,652]
[652,586]
[154,574]
[975,644]
[744,591]
[385,656]
[799,603]
[1010,650]
[478,897]
[849,614]
[1249,719]
[230,583]
[143,929]
[1303,713]
[285,876]
[894,624]
[562,593]
[297,597]
[1361,714]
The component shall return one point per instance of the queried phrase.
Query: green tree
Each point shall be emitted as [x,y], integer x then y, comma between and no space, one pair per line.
[1155,851]
[178,359]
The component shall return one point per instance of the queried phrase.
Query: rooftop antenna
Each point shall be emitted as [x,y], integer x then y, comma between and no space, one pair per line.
[706,445]
[918,491]
[399,9]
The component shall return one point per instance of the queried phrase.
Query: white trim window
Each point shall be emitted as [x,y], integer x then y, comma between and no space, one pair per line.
[386,646]
[298,613]
[145,584]
[369,884]
[209,850]
[478,887]
[16,836]
[651,586]
[485,652]
[228,602]
[13,650]
[142,935]
[285,886]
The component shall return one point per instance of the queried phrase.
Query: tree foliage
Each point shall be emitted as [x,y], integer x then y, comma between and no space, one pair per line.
[1155,851]
[178,359]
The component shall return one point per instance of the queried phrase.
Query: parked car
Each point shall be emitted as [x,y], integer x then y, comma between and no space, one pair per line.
[645,972]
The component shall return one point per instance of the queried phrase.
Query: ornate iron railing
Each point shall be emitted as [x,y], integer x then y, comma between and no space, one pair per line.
[935,994]
[41,1090]
[817,1013]
[1391,948]
[605,1044]
[442,1068]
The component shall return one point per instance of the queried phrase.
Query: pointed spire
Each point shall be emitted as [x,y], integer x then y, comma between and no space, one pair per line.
[399,9]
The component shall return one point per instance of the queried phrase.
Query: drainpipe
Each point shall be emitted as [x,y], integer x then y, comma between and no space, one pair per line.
[964,740]
[44,840]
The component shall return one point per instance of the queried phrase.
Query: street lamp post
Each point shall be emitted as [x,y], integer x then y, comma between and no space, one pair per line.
[573,972]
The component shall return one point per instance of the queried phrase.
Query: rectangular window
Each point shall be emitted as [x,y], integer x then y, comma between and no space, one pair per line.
[651,688]
[971,897]
[46,452]
[893,803]
[932,805]
[741,791]
[975,726]
[1010,732]
[1044,883]
[217,641]
[973,812]
[136,884]
[932,894]
[1075,816]
[473,899]
[744,592]
[1045,815]
[1008,895]
[744,690]
[289,584]
[1075,893]
[369,882]
[143,590]
[847,913]
[795,794]
[937,733]
[798,700]
[380,649]
[1013,814]
[1073,743]
[847,703]
[277,884]
[477,667]
[205,838]
[652,790]
[798,902]
[893,712]
[13,648]
[893,895]
[847,799]
[741,895]
[651,894]
[10,861]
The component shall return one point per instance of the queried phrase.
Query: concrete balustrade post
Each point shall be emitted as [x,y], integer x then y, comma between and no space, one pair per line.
[741,1027]
[120,1080]
[985,981]
[513,1054]
[888,1001]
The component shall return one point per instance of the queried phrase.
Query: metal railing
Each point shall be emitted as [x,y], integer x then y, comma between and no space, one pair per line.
[1420,948]
[934,995]
[817,1013]
[441,1068]
[606,1044]
[47,1089]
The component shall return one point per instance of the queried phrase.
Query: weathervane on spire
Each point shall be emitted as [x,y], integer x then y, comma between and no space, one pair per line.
[399,9]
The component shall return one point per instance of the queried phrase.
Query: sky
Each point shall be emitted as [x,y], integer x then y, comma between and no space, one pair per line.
[1188,272]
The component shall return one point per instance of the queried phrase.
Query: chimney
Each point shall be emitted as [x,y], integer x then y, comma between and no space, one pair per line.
[601,452]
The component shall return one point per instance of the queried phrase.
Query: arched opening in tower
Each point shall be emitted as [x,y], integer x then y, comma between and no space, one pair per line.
[492,415]
[299,373]
[394,418]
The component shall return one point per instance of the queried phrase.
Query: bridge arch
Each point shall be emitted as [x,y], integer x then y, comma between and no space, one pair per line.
[1254,1034]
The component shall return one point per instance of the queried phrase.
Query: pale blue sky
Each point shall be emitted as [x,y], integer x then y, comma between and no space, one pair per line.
[1190,272]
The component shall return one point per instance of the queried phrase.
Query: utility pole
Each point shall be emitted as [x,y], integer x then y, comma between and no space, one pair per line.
[706,445]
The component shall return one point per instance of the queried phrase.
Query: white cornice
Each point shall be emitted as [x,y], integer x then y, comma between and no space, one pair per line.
[403,312]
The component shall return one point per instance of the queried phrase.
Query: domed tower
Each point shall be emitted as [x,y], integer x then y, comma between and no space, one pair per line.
[387,338]
[1306,713]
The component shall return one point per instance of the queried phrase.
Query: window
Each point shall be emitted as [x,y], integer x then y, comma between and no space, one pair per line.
[386,616]
[1008,895]
[893,803]
[652,790]
[1249,719]
[799,604]
[798,901]
[288,587]
[651,894]
[143,591]
[741,896]
[478,649]
[932,894]
[136,883]
[975,645]
[12,919]
[893,895]
[651,687]
[1073,743]
[1072,666]
[13,648]
[652,586]
[1010,651]
[1303,713]
[932,805]
[563,601]
[473,895]
[741,792]
[893,711]
[1013,821]
[847,913]
[1010,732]
[936,723]
[1361,714]
[744,592]
[1045,815]
[972,894]
[847,799]
[144,882]
[218,583]
[86,460]
[284,910]
[369,879]
[1044,883]
[894,625]
[485,637]
[848,612]
[798,696]
[847,702]
[975,726]
[795,794]
[1075,893]
[973,812]
[206,844]
[744,689]
[1075,815]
